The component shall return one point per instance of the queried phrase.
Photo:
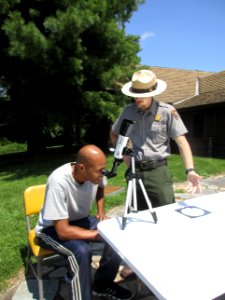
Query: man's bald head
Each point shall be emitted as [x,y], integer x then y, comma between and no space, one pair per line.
[90,154]
[90,163]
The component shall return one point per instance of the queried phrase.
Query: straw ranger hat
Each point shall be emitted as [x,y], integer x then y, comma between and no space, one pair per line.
[144,84]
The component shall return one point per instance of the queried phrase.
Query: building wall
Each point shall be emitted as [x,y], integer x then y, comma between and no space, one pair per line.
[206,126]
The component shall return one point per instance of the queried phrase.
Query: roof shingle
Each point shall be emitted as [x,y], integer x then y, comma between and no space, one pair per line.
[181,84]
[212,97]
[212,82]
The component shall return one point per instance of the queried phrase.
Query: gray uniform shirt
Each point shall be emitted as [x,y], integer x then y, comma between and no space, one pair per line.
[152,130]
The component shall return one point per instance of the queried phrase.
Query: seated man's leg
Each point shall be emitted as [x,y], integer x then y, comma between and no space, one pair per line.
[78,254]
[104,284]
[82,251]
[108,265]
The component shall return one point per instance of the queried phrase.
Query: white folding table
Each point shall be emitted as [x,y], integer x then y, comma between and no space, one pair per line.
[182,256]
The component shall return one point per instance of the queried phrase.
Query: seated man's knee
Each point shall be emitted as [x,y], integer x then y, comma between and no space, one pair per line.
[81,250]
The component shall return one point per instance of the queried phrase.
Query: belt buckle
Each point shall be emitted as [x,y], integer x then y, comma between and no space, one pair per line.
[143,164]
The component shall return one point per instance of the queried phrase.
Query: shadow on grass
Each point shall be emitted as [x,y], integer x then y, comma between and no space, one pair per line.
[21,165]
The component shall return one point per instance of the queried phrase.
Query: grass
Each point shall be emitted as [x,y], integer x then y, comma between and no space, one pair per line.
[16,176]
[9,147]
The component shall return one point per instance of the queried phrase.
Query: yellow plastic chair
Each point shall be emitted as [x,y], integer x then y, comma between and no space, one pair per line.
[33,201]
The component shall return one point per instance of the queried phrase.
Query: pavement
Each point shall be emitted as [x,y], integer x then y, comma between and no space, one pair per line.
[25,288]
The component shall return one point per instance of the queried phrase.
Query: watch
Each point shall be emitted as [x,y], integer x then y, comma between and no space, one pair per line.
[189,170]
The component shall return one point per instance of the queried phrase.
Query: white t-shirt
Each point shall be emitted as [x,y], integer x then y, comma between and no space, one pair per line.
[65,198]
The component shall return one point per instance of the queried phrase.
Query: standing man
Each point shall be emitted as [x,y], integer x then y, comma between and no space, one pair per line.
[155,124]
[65,226]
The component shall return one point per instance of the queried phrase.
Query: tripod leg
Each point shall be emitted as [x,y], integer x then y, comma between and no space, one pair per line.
[127,203]
[134,182]
[154,216]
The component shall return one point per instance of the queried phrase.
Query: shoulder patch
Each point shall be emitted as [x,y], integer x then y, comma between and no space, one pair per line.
[175,114]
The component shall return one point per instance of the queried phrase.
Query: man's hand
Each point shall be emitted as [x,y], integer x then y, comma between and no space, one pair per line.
[102,217]
[194,185]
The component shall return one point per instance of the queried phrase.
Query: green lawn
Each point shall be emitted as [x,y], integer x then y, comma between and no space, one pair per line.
[16,176]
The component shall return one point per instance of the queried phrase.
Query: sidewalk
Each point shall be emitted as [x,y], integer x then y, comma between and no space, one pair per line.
[26,288]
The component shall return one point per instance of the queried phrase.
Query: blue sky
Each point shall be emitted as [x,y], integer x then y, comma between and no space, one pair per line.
[183,34]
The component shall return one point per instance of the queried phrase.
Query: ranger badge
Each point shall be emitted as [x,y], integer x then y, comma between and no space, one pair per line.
[157,118]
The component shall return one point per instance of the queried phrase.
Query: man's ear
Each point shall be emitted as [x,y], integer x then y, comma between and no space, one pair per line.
[81,167]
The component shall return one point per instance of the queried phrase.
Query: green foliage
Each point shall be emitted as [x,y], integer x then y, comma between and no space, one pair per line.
[24,38]
[63,61]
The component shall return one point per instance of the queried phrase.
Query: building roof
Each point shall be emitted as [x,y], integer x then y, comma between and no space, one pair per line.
[211,91]
[212,97]
[181,84]
[213,82]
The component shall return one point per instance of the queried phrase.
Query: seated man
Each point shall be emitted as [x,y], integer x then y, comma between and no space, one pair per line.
[65,226]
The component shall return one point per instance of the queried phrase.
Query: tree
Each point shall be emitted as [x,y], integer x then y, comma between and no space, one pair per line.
[62,61]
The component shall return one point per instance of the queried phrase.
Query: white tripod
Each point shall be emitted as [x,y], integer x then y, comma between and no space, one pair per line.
[131,197]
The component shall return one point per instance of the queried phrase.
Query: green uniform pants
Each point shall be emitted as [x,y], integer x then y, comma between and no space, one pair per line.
[158,185]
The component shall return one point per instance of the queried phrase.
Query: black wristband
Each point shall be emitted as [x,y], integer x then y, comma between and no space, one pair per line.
[189,170]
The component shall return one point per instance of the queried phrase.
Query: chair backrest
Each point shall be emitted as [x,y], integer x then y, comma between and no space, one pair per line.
[34,199]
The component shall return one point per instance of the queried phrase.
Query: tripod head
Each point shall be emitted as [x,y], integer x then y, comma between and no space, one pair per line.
[112,173]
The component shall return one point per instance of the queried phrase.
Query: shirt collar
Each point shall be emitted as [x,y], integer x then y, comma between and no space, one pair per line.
[153,108]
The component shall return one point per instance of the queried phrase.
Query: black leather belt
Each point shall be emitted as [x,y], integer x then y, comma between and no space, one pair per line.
[150,164]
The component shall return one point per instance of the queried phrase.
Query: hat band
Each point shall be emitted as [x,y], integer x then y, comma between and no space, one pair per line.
[140,91]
